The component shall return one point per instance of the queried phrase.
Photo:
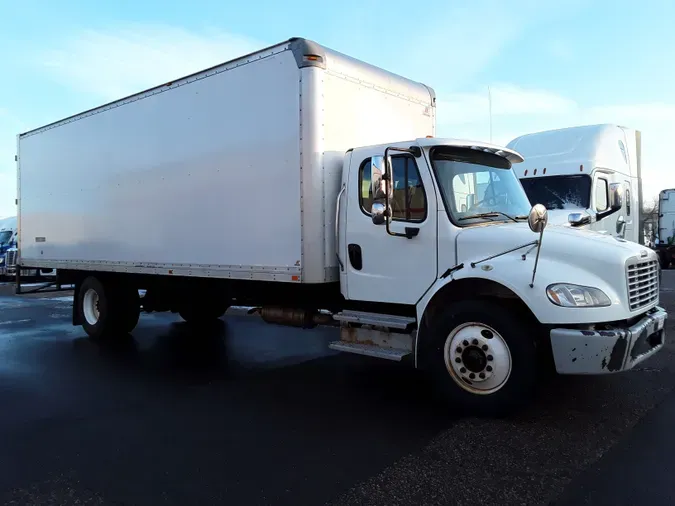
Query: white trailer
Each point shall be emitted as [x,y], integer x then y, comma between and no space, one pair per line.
[310,185]
[665,233]
[587,176]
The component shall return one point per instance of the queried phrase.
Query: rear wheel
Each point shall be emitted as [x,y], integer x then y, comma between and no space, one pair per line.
[203,311]
[483,358]
[664,259]
[107,309]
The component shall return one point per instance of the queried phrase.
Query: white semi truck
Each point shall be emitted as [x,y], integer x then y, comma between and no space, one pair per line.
[587,176]
[311,186]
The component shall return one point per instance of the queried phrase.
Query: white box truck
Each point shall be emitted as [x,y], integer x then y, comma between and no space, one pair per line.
[310,185]
[587,176]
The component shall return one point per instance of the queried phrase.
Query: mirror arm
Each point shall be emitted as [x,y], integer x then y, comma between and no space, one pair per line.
[602,215]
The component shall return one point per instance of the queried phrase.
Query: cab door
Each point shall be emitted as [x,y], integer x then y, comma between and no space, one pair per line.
[381,267]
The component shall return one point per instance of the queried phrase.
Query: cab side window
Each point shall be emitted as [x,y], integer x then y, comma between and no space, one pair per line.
[601,195]
[409,202]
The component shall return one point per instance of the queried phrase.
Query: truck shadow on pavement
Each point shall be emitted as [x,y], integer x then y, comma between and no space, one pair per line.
[187,354]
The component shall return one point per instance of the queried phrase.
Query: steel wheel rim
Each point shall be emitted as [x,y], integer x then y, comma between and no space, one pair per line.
[90,307]
[477,358]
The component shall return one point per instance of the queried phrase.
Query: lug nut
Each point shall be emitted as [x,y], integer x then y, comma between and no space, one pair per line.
[458,360]
[458,350]
[488,368]
[481,375]
[462,370]
[490,358]
[475,342]
[485,347]
[472,375]
[465,343]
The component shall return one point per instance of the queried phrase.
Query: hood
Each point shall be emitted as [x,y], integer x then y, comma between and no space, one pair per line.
[602,254]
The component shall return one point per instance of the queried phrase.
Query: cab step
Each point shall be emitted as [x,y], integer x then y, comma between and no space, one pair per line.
[370,350]
[376,319]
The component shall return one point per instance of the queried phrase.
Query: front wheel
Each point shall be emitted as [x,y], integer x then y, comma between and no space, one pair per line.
[483,358]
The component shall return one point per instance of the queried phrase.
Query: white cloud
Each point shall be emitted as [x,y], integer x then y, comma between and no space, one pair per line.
[113,63]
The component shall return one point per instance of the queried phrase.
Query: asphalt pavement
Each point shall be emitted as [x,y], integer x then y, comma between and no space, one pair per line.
[248,413]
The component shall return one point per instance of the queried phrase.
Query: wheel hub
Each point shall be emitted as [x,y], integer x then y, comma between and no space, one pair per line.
[474,359]
[90,307]
[477,358]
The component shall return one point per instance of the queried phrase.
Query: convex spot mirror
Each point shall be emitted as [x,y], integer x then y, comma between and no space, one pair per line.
[537,218]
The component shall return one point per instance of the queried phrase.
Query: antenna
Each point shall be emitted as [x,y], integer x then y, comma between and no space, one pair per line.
[490,111]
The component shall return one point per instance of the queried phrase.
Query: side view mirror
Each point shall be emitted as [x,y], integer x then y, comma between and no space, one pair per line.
[538,218]
[470,200]
[615,196]
[578,219]
[377,213]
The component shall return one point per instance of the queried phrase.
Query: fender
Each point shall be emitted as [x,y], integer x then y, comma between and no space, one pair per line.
[508,278]
[469,285]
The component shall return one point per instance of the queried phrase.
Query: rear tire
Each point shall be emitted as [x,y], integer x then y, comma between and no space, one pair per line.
[482,358]
[664,259]
[203,311]
[129,308]
[107,309]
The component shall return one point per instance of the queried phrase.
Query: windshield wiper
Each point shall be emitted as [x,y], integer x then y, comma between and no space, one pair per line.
[492,214]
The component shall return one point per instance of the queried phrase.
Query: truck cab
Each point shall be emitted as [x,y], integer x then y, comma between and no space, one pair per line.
[440,239]
[586,176]
[8,242]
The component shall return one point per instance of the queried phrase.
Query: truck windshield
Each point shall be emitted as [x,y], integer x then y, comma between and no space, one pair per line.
[559,192]
[5,236]
[478,187]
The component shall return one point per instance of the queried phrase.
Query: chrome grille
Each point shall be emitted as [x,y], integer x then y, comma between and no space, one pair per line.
[11,258]
[643,284]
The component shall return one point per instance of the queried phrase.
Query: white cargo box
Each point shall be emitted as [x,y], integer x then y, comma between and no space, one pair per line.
[232,172]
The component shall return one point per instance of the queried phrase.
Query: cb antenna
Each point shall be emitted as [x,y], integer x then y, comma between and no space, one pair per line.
[490,111]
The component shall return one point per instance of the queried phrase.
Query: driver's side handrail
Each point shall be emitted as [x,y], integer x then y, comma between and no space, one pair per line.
[337,227]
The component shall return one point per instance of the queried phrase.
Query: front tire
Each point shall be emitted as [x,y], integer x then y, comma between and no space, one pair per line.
[483,358]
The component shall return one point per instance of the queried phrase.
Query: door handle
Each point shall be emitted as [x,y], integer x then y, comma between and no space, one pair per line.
[355,256]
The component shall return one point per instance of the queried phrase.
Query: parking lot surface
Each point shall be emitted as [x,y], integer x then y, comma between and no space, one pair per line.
[247,413]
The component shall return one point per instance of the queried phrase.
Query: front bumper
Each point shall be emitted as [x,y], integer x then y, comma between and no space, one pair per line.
[607,351]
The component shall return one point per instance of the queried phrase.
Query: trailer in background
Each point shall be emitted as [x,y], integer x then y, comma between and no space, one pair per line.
[664,241]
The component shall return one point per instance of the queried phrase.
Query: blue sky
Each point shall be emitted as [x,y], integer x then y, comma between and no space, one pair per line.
[549,64]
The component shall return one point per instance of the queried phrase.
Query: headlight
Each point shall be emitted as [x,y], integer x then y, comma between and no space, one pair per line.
[577,296]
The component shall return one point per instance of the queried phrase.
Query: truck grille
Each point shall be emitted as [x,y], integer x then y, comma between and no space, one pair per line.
[11,258]
[643,284]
